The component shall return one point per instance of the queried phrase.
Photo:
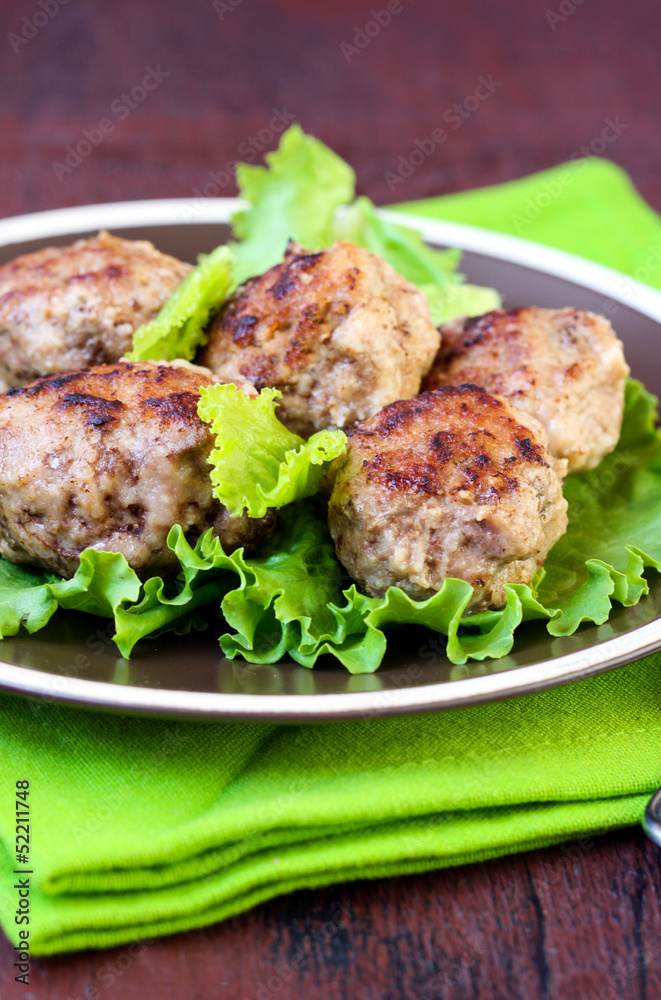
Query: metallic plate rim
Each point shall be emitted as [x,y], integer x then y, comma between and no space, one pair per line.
[292,707]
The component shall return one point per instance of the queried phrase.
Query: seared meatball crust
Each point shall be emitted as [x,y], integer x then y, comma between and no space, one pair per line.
[338,332]
[564,366]
[78,305]
[453,483]
[110,458]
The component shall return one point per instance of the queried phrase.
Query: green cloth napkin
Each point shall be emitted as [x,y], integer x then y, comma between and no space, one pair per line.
[140,827]
[588,207]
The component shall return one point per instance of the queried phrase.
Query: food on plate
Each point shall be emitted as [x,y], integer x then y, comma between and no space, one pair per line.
[257,462]
[338,332]
[178,330]
[110,458]
[68,307]
[564,366]
[453,483]
[444,507]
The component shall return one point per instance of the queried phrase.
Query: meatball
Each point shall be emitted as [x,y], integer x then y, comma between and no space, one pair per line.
[68,307]
[110,457]
[564,366]
[453,483]
[338,332]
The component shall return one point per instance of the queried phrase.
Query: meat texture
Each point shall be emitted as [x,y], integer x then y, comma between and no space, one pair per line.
[111,458]
[69,307]
[338,332]
[564,366]
[453,483]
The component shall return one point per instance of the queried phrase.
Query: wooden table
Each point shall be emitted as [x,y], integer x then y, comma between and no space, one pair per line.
[567,923]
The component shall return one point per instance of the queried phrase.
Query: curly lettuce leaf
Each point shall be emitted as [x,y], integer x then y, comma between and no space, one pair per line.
[101,584]
[287,605]
[292,605]
[294,197]
[180,605]
[257,462]
[614,535]
[178,330]
[459,299]
[287,600]
[24,598]
[291,598]
[404,249]
[306,193]
[433,271]
[614,531]
[105,585]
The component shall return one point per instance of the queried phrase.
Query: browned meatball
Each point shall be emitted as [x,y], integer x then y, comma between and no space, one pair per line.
[564,366]
[338,332]
[110,457]
[453,483]
[68,307]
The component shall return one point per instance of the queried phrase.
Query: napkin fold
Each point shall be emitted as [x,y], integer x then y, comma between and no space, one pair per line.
[141,827]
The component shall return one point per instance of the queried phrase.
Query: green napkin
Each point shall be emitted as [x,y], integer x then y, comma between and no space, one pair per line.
[588,207]
[141,827]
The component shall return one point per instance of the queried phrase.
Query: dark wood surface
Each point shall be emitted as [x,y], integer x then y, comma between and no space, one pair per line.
[565,923]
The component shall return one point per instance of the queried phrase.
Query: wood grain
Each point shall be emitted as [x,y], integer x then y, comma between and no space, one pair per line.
[556,88]
[568,923]
[563,924]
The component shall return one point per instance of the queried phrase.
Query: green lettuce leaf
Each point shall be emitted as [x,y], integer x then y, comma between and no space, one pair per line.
[433,271]
[614,535]
[295,197]
[403,248]
[307,194]
[106,585]
[459,299]
[614,531]
[287,605]
[102,583]
[260,463]
[291,598]
[292,605]
[24,598]
[178,330]
[189,601]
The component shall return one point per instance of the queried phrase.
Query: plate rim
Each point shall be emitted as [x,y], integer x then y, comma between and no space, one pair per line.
[605,655]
